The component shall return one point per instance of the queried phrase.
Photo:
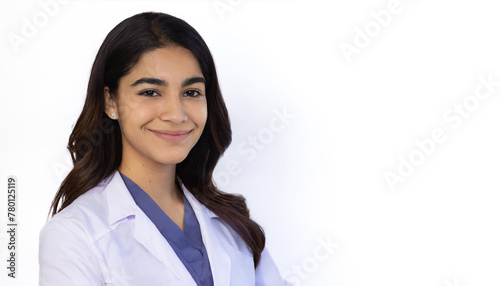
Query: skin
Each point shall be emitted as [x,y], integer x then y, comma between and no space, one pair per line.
[174,101]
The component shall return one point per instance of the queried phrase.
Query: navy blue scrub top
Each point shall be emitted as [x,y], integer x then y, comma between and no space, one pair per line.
[188,245]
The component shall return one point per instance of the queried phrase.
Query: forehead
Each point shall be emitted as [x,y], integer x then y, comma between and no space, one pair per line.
[168,63]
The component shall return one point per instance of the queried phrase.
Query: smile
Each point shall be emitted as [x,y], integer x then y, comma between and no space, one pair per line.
[172,135]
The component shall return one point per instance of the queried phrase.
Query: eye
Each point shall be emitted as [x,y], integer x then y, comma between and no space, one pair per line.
[192,93]
[149,93]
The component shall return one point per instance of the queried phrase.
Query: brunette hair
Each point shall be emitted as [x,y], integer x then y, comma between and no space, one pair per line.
[95,142]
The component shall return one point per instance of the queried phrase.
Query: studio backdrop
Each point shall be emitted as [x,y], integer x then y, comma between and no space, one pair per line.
[365,133]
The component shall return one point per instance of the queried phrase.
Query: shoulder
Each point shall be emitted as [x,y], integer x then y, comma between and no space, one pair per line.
[87,216]
[232,244]
[267,272]
[90,207]
[67,242]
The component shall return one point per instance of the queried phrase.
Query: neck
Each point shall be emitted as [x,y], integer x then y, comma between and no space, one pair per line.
[157,180]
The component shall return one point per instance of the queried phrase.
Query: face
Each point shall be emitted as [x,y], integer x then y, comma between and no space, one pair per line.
[161,107]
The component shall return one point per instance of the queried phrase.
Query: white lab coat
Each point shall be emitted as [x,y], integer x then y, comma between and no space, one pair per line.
[104,238]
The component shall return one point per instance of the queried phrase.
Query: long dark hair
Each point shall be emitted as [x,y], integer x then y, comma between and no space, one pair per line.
[95,142]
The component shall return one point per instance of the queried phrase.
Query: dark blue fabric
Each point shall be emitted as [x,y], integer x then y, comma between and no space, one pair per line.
[188,245]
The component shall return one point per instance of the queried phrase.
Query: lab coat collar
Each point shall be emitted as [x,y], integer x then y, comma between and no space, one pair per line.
[193,201]
[120,202]
[121,205]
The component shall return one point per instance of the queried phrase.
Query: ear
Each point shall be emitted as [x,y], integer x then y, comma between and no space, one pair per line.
[110,104]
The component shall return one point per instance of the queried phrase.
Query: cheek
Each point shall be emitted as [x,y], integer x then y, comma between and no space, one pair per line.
[142,115]
[203,116]
[198,113]
[136,114]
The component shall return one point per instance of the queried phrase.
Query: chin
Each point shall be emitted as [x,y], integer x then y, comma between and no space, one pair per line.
[171,160]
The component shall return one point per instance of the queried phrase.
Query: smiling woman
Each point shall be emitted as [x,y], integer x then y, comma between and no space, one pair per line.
[139,206]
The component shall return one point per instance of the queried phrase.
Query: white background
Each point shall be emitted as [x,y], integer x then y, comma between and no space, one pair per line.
[320,178]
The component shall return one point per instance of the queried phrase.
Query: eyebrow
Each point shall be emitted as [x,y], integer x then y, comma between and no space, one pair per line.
[193,80]
[157,81]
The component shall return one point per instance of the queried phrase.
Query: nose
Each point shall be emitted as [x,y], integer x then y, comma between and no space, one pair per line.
[172,110]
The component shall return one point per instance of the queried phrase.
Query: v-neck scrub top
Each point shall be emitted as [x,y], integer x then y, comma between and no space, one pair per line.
[187,244]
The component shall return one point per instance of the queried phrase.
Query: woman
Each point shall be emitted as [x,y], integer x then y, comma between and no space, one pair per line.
[139,206]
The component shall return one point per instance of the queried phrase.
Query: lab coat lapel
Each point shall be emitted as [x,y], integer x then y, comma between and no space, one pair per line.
[150,237]
[121,205]
[220,262]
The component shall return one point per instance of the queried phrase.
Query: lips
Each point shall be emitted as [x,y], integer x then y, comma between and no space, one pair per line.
[172,135]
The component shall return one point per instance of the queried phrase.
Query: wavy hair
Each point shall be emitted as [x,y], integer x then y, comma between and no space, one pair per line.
[95,143]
